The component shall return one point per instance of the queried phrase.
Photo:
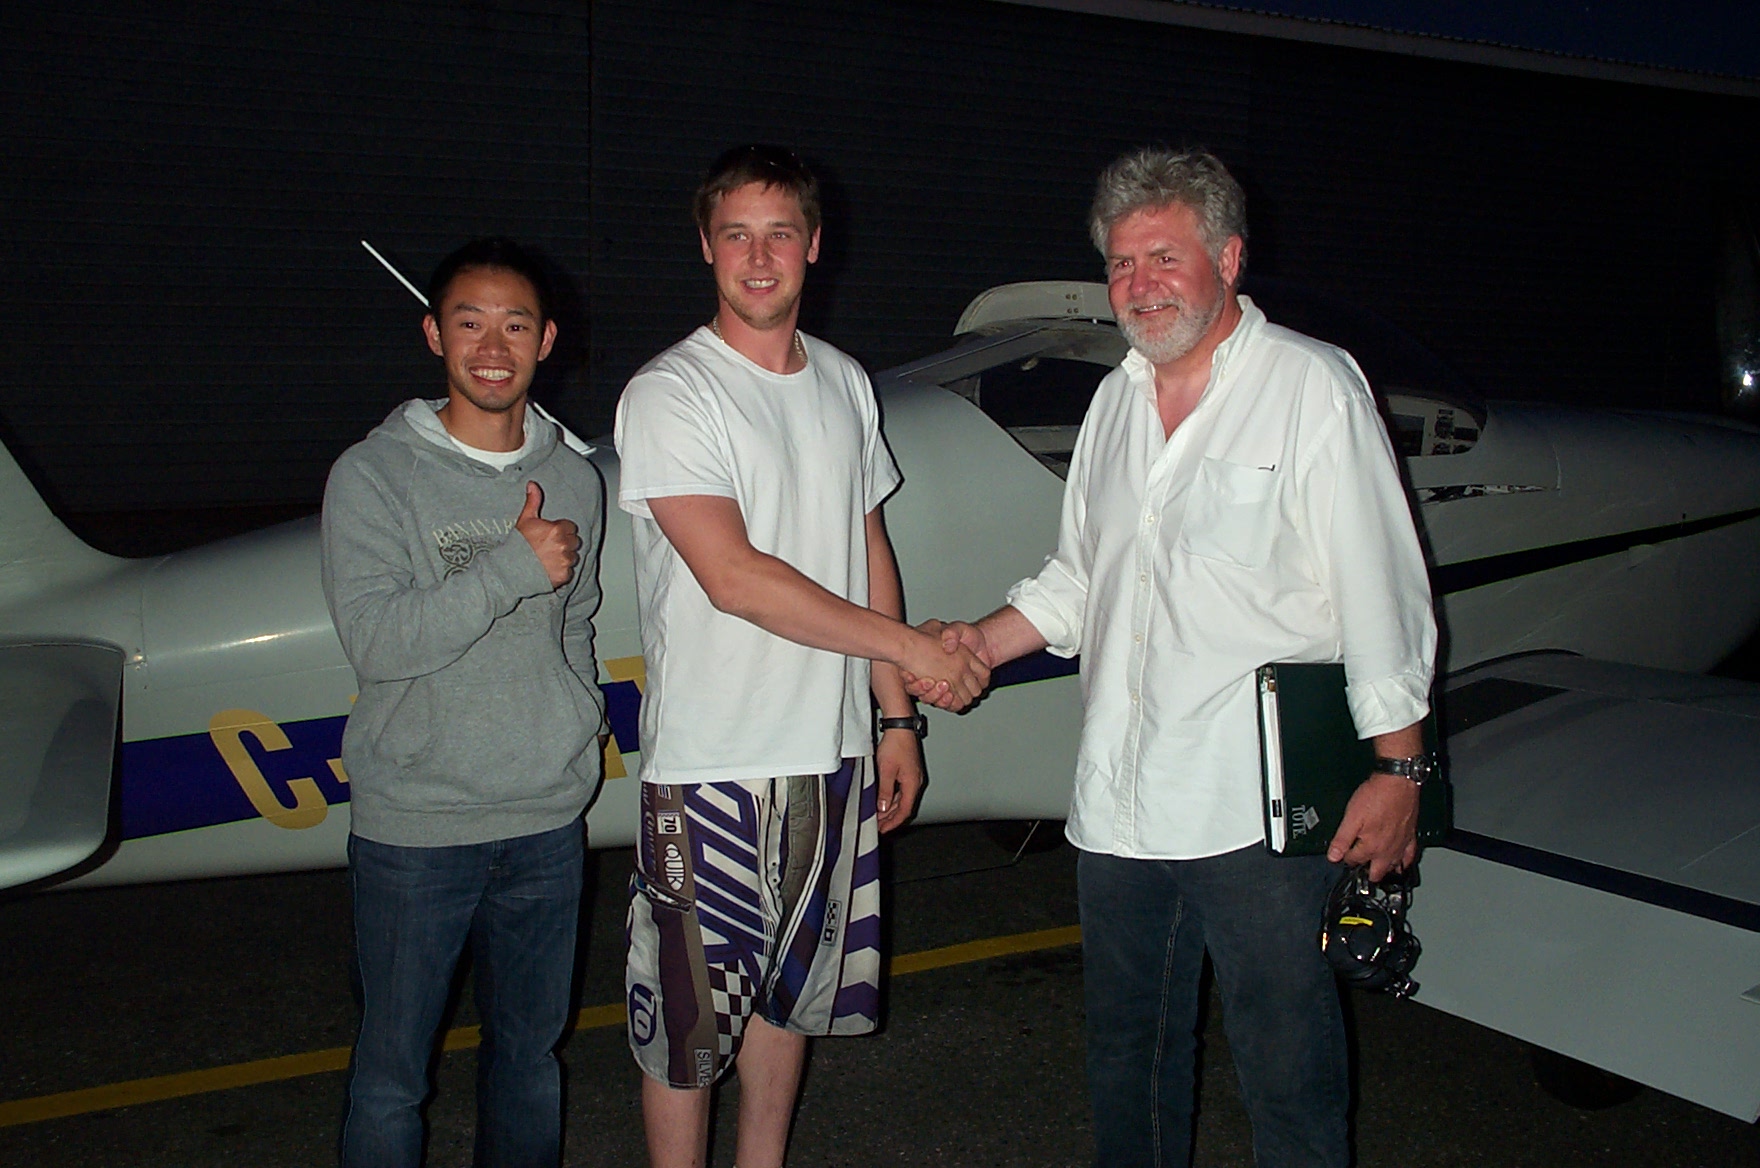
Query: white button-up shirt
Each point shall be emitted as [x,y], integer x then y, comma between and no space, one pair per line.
[1271,526]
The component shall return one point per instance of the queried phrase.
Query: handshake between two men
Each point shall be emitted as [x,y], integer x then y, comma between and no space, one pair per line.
[972,651]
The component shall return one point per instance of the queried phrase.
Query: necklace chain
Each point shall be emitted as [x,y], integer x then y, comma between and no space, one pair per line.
[800,346]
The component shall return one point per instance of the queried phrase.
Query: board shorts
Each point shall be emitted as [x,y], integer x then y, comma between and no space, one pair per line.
[753,897]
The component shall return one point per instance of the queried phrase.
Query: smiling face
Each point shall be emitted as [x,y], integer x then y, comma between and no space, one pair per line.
[1166,290]
[490,335]
[759,246]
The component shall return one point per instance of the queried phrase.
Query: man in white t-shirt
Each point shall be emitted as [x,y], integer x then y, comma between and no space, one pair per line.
[753,472]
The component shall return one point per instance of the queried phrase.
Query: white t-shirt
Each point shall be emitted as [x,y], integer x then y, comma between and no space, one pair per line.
[801,454]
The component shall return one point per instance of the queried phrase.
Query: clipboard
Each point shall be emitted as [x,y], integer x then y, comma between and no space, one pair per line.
[1311,760]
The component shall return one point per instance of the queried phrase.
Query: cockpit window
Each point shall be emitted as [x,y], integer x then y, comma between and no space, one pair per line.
[1041,399]
[1040,391]
[1425,427]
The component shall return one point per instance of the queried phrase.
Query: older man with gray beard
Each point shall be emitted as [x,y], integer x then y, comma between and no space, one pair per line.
[1232,500]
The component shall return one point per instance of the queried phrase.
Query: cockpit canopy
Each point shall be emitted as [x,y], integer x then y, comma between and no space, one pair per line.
[1031,354]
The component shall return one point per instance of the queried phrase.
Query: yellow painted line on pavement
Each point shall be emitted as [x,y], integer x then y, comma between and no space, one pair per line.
[984,950]
[318,1062]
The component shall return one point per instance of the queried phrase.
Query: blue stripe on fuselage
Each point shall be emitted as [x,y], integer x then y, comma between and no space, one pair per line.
[1039,666]
[177,783]
[173,784]
[623,709]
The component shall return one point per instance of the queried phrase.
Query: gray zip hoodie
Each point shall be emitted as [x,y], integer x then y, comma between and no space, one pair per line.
[479,709]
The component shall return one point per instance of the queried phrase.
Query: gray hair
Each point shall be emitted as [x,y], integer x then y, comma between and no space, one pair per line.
[1158,177]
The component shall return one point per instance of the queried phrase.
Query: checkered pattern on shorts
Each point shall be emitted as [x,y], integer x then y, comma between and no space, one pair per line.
[752,897]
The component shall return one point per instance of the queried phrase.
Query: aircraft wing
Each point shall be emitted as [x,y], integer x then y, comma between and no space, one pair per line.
[1602,896]
[58,719]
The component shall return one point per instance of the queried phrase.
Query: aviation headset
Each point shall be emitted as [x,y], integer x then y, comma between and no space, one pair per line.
[1365,935]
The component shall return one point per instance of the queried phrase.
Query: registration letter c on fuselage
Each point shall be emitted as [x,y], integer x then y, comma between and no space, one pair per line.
[227,730]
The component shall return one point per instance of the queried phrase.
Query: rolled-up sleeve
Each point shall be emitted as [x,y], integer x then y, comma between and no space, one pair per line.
[1055,602]
[1366,548]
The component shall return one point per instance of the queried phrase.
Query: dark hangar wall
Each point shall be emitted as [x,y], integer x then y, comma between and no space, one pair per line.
[185,188]
[184,191]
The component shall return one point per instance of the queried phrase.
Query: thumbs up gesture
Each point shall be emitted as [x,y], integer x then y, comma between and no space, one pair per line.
[556,542]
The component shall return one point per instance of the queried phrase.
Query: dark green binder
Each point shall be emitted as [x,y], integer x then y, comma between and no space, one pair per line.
[1312,760]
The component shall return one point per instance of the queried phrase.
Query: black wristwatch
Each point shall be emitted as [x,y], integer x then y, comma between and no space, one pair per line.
[1418,768]
[917,724]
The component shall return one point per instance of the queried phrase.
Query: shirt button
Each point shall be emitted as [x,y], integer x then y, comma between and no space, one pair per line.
[1133,697]
[1143,579]
[1138,638]
[1149,518]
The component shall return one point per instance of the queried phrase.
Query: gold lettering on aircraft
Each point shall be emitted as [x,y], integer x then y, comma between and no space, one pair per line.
[628,669]
[622,669]
[227,730]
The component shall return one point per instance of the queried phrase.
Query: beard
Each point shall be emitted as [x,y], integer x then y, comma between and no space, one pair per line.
[1164,341]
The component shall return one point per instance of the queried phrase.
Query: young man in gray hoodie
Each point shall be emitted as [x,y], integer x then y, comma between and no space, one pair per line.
[460,543]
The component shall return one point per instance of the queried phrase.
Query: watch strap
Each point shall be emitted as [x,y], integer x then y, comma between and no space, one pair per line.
[1417,767]
[917,724]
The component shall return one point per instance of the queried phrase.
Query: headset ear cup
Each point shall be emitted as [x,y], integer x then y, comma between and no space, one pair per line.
[1365,937]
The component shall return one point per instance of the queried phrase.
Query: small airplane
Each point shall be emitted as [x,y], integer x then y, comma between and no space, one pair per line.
[1601,897]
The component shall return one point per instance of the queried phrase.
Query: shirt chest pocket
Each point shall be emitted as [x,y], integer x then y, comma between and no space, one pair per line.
[1232,514]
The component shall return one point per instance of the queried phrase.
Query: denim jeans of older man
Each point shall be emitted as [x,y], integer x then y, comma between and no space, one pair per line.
[517,901]
[1146,925]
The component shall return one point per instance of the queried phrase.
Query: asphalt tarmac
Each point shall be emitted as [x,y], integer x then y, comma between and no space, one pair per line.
[979,1062]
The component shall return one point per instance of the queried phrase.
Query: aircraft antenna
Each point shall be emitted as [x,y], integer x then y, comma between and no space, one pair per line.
[413,291]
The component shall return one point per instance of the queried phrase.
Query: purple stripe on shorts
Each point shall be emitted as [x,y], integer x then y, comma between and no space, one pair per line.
[862,934]
[711,815]
[861,1000]
[742,915]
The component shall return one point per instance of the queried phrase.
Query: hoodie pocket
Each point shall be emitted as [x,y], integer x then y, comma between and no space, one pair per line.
[490,740]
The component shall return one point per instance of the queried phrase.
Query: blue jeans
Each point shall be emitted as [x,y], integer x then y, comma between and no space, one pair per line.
[1145,927]
[518,901]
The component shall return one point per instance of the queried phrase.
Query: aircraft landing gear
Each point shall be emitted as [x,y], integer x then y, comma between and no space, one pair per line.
[1577,1084]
